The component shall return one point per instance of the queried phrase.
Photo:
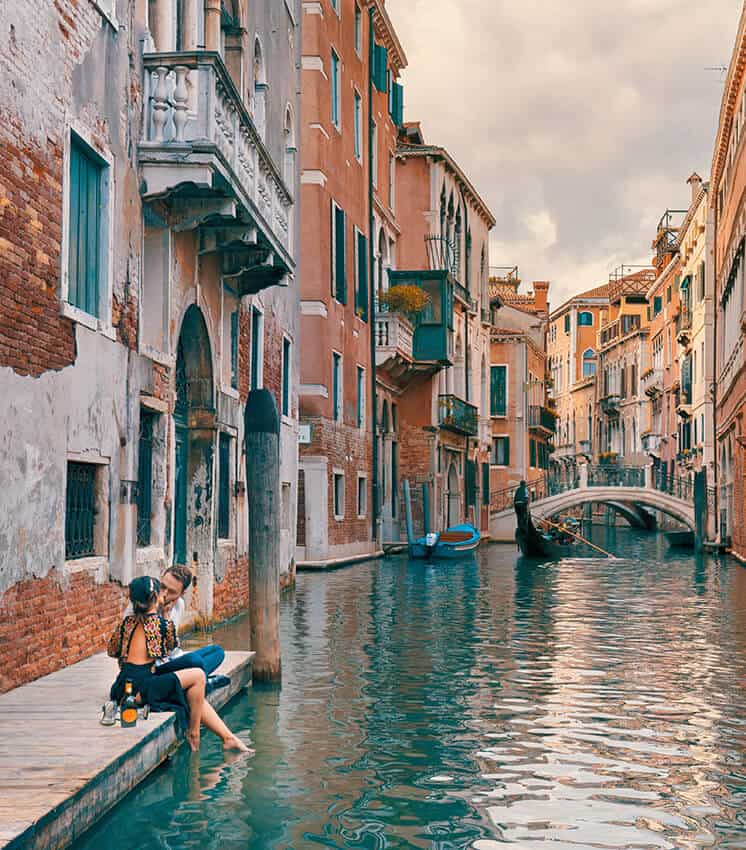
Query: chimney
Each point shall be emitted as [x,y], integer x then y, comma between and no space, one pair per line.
[541,294]
[695,181]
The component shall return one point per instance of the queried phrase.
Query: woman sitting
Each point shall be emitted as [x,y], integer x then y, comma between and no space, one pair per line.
[144,637]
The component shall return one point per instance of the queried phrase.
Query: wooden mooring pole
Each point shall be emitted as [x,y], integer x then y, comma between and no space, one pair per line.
[262,444]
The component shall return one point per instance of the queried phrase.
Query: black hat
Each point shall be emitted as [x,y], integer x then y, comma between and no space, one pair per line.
[143,588]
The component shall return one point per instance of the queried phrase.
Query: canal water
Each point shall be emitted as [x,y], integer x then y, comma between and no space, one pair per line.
[581,704]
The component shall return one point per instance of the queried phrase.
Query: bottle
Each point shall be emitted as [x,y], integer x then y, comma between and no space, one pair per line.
[128,707]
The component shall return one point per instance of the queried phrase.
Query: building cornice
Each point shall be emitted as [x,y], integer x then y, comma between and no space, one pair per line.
[384,30]
[728,105]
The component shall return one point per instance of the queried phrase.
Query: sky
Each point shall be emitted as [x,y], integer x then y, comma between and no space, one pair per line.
[577,122]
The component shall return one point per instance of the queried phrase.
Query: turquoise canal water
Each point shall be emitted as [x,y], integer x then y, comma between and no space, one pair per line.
[584,704]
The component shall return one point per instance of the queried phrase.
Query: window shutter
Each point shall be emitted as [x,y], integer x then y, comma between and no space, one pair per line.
[380,61]
[471,482]
[339,256]
[485,483]
[234,349]
[506,451]
[362,277]
[532,453]
[397,104]
[497,391]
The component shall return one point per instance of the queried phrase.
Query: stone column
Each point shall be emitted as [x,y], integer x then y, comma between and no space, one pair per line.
[189,25]
[162,25]
[212,25]
[583,476]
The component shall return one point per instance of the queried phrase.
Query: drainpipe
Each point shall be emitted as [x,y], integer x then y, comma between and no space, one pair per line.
[371,288]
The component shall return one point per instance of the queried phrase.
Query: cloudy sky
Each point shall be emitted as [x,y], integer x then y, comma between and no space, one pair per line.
[578,122]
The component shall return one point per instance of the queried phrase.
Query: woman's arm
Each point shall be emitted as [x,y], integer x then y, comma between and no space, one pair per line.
[114,648]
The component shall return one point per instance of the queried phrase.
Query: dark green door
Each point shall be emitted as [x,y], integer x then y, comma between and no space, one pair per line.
[180,496]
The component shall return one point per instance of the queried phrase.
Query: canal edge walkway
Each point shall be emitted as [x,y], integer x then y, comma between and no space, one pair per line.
[60,769]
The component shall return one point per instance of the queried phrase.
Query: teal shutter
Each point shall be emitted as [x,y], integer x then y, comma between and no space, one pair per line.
[335,89]
[397,104]
[657,304]
[285,377]
[471,482]
[506,451]
[485,484]
[532,453]
[567,323]
[340,277]
[498,401]
[380,62]
[361,296]
[84,231]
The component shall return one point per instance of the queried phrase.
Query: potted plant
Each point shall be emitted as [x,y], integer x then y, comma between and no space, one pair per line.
[407,299]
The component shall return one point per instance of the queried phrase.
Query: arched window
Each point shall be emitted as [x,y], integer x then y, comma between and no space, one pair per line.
[259,95]
[457,247]
[585,318]
[290,149]
[589,363]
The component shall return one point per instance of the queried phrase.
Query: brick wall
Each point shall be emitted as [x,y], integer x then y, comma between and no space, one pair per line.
[48,623]
[739,501]
[301,527]
[231,595]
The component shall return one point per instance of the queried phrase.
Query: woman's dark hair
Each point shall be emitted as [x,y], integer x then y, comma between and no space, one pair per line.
[143,593]
[182,573]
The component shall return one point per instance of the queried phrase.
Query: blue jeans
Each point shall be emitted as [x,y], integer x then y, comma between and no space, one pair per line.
[207,658]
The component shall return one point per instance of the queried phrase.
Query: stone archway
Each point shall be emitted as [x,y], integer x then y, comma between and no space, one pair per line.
[194,432]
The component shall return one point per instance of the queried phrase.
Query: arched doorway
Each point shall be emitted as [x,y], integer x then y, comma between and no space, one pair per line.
[453,497]
[194,429]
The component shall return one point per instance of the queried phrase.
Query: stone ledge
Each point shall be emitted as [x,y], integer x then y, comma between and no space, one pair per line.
[60,770]
[334,563]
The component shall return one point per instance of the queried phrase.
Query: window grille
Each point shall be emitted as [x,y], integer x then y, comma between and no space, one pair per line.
[224,485]
[80,510]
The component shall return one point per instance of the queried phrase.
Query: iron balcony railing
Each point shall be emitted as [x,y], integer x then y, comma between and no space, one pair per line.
[612,475]
[455,414]
[610,404]
[542,417]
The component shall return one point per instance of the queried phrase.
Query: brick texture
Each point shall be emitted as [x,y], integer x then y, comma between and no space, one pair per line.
[49,623]
[231,595]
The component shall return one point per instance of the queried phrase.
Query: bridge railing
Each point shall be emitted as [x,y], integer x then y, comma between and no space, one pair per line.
[673,485]
[538,488]
[616,476]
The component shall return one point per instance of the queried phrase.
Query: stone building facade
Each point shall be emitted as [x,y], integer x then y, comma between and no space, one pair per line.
[148,248]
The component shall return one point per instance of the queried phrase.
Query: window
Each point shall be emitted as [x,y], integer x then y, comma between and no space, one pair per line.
[336,91]
[589,363]
[358,127]
[362,496]
[145,477]
[567,323]
[80,510]
[336,386]
[361,275]
[498,390]
[259,97]
[397,104]
[257,346]
[392,179]
[701,280]
[360,397]
[501,451]
[339,495]
[86,237]
[339,264]
[224,485]
[285,376]
[585,319]
[358,30]
[532,453]
[380,67]
[374,154]
[657,304]
[234,349]
[336,6]
[668,295]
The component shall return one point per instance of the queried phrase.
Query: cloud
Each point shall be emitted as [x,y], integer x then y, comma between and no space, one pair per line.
[578,122]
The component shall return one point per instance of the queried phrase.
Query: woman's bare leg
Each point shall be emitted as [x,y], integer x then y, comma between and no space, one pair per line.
[214,723]
[193,682]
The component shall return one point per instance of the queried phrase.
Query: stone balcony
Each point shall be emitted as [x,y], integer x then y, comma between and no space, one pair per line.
[202,158]
[610,404]
[394,337]
[652,382]
[563,452]
[651,442]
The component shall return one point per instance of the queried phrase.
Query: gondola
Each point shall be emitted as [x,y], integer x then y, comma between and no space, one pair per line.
[459,541]
[683,539]
[537,544]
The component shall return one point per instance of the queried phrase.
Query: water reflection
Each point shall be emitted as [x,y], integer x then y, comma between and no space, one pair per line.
[581,704]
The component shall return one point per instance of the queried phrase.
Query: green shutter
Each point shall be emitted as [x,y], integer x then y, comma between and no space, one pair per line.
[380,62]
[506,450]
[657,304]
[285,377]
[567,323]
[361,296]
[532,453]
[397,104]
[471,482]
[485,483]
[85,230]
[498,401]
[339,258]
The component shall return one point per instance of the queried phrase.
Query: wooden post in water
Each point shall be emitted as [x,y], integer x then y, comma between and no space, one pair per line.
[408,515]
[426,507]
[262,443]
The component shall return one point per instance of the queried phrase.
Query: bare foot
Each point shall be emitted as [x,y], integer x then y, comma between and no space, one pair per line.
[234,743]
[193,739]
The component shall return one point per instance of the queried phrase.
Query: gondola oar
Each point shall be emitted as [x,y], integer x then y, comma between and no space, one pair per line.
[573,534]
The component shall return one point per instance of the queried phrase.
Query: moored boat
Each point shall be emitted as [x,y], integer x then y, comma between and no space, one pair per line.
[680,538]
[458,541]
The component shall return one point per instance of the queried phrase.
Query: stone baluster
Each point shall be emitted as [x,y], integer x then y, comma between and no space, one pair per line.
[212,25]
[160,103]
[583,476]
[181,98]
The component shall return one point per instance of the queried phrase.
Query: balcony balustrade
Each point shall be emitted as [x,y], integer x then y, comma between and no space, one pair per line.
[684,326]
[567,450]
[585,447]
[652,382]
[394,337]
[542,418]
[610,404]
[201,152]
[651,442]
[455,414]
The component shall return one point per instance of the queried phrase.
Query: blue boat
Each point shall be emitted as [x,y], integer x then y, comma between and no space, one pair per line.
[456,542]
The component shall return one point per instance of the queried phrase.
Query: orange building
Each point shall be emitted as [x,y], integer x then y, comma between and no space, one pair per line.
[336,452]
[728,209]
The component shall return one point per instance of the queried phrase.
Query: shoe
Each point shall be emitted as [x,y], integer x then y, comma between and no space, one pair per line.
[108,713]
[143,712]
[215,682]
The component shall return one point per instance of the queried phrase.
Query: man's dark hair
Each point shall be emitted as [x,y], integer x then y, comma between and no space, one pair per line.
[183,574]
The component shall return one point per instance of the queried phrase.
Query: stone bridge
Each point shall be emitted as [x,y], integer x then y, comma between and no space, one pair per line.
[628,490]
